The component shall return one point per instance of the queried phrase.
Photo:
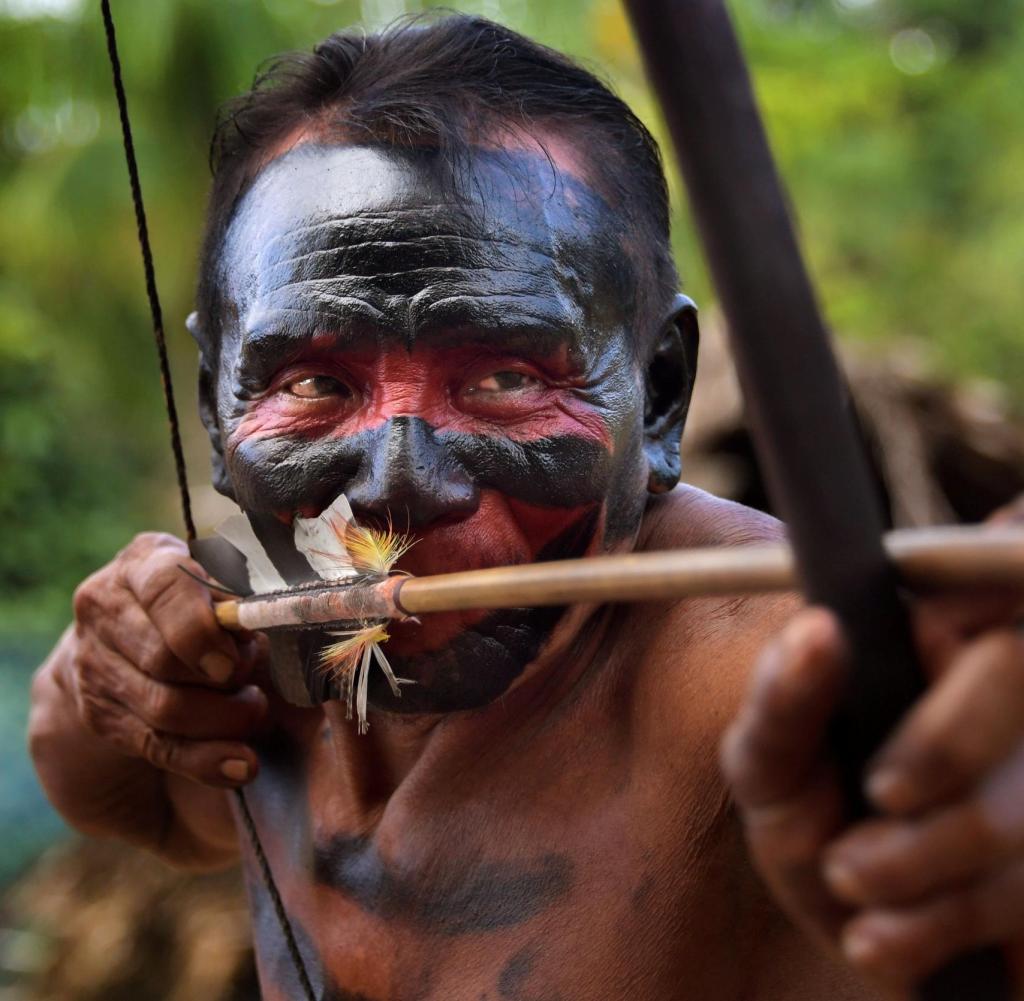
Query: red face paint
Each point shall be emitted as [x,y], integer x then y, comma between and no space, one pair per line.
[463,370]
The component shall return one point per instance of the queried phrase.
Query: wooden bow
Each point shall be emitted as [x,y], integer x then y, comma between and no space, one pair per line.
[814,464]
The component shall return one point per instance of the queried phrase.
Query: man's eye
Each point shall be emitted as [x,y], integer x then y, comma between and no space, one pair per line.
[503,382]
[318,387]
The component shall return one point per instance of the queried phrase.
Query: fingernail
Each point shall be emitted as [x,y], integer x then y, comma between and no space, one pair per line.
[236,769]
[217,666]
[890,790]
[842,880]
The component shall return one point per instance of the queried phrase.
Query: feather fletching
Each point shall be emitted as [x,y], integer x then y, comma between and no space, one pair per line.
[373,550]
[348,661]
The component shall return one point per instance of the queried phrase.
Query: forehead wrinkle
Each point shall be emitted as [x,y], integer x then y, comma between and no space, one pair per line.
[342,235]
[572,218]
[373,224]
[358,287]
[306,255]
[369,267]
[502,176]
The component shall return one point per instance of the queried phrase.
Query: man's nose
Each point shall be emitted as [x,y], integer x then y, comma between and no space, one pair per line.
[409,477]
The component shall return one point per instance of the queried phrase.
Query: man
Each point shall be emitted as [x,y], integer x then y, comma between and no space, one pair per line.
[436,278]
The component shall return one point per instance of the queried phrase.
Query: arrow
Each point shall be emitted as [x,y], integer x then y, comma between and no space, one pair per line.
[926,559]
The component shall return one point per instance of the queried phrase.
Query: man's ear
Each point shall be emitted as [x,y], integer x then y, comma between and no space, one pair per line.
[668,384]
[208,404]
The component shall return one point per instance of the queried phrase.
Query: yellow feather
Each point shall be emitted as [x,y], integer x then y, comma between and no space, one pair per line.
[353,654]
[341,657]
[373,550]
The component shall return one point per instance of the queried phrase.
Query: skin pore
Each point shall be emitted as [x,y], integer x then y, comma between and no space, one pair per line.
[462,368]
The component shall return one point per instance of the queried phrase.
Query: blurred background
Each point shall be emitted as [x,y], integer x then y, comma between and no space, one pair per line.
[899,128]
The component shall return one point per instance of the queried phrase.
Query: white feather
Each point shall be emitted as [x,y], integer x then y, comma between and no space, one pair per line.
[263,575]
[362,691]
[320,542]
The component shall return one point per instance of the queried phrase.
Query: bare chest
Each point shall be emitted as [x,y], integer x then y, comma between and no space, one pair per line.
[537,876]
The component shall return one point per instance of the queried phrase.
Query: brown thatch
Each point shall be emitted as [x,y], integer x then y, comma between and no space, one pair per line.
[95,921]
[941,452]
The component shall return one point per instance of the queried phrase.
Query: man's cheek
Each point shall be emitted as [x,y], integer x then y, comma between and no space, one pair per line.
[558,533]
[552,482]
[563,471]
[274,474]
[627,492]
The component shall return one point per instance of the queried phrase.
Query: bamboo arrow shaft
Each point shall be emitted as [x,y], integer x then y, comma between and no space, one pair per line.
[929,559]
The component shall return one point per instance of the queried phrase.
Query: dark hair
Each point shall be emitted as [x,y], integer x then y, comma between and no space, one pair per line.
[440,83]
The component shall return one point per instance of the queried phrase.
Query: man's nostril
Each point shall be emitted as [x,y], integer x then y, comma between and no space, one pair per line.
[408,475]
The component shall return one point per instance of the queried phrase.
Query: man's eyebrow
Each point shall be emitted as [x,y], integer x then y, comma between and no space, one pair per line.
[266,348]
[518,333]
[522,314]
[286,330]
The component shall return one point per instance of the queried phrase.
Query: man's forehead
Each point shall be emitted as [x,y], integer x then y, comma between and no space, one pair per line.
[374,205]
[313,179]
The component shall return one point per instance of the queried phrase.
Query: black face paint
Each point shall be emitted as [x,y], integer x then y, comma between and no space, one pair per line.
[355,268]
[407,466]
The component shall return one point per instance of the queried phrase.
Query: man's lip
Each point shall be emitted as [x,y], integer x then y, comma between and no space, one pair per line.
[435,554]
[433,632]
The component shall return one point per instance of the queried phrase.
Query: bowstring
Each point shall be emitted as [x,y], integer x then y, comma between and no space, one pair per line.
[147,265]
[179,463]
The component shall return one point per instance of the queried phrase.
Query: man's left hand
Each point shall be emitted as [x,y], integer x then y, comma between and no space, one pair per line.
[940,869]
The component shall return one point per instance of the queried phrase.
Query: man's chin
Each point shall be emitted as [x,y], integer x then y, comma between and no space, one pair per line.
[474,668]
[465,660]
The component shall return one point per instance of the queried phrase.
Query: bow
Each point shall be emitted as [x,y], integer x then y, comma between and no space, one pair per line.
[815,468]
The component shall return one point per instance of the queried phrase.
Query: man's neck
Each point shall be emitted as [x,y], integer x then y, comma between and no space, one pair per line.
[372,766]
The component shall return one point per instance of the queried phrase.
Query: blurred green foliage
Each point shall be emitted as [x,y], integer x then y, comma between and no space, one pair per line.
[897,124]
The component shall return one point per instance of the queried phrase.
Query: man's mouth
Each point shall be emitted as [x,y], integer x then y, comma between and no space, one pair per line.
[502,531]
[490,537]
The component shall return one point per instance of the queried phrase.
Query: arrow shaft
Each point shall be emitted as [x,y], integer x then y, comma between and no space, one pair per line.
[926,560]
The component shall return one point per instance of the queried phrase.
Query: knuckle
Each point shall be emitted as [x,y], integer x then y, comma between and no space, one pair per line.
[161,707]
[159,583]
[157,750]
[167,591]
[154,657]
[85,600]
[152,567]
[990,833]
[95,713]
[1007,646]
[951,756]
[146,543]
[998,657]
[962,920]
[791,835]
[86,665]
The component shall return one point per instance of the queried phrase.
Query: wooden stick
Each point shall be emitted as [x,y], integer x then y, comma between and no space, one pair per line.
[928,559]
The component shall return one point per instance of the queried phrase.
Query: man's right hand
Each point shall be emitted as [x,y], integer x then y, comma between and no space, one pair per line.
[146,688]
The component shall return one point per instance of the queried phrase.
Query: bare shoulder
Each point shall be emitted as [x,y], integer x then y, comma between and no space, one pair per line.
[692,518]
[707,644]
[688,518]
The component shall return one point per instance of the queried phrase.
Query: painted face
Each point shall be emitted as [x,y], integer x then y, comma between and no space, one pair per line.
[462,367]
